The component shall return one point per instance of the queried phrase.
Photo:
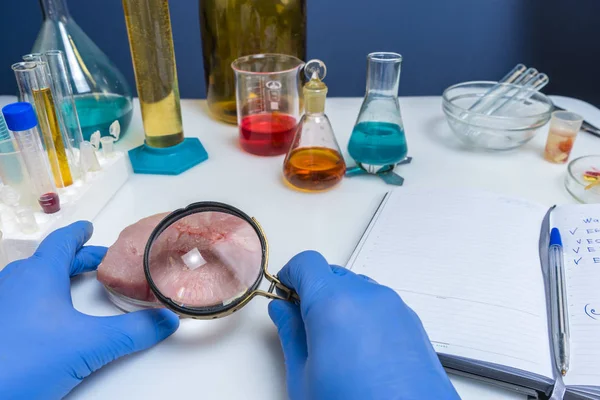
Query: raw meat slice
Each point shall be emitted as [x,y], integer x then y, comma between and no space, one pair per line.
[223,255]
[122,268]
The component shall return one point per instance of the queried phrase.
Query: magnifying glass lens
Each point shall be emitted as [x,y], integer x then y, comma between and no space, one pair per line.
[206,259]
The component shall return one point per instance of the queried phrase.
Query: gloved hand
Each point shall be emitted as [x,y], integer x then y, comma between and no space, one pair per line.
[46,346]
[352,338]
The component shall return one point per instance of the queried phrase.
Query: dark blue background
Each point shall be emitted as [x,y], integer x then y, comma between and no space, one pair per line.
[443,41]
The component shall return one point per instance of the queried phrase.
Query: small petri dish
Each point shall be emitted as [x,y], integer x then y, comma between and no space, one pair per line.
[127,304]
[583,179]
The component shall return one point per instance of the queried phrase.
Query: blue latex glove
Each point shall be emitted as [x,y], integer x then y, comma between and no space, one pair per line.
[352,338]
[46,346]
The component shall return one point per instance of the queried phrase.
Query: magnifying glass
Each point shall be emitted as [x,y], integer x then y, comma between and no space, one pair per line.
[207,261]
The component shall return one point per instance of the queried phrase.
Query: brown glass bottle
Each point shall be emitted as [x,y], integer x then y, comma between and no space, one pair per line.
[236,28]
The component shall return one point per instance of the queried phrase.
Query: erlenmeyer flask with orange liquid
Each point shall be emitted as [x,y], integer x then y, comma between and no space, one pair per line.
[314,162]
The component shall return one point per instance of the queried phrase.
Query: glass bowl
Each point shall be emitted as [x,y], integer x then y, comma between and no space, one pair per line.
[509,129]
[127,304]
[575,182]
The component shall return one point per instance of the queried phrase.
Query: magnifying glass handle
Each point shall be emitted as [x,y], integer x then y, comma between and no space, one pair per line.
[289,294]
[278,290]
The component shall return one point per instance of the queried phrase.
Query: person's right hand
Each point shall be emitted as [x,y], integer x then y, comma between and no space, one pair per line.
[352,338]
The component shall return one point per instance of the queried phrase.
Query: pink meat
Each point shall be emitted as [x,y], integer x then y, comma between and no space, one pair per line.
[229,246]
[122,268]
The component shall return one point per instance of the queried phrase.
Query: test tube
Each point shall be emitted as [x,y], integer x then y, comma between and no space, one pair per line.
[65,106]
[89,161]
[9,196]
[107,146]
[496,90]
[13,172]
[523,94]
[4,132]
[510,91]
[26,220]
[34,87]
[22,121]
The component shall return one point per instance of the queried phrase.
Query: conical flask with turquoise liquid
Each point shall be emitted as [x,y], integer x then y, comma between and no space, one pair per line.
[378,141]
[101,93]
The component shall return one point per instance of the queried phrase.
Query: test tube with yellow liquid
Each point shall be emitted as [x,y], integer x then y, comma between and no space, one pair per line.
[34,87]
[153,55]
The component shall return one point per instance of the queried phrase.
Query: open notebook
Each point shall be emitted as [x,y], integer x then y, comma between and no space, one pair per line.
[473,266]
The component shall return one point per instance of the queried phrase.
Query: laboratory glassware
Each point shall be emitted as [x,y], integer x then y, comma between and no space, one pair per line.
[237,28]
[35,88]
[89,161]
[493,93]
[489,132]
[14,175]
[165,150]
[100,90]
[57,78]
[268,89]
[521,95]
[26,220]
[65,105]
[4,132]
[586,126]
[378,142]
[12,171]
[583,179]
[22,121]
[314,162]
[564,127]
[530,79]
[107,146]
[238,265]
[153,54]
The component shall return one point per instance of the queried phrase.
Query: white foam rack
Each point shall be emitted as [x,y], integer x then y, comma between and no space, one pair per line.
[81,201]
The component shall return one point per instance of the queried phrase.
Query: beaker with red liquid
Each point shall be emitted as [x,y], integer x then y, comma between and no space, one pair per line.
[268,90]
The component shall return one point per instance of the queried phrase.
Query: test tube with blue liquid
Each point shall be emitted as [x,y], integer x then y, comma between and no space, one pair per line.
[22,121]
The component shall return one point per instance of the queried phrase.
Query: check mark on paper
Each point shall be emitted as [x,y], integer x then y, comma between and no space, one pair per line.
[573,231]
[578,261]
[578,241]
[576,251]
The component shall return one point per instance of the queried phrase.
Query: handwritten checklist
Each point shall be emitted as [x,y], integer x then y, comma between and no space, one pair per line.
[580,230]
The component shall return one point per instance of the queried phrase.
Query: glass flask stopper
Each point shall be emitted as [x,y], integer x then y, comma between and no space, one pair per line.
[314,162]
[101,93]
[378,143]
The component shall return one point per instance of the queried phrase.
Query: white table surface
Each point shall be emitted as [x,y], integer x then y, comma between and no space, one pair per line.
[239,357]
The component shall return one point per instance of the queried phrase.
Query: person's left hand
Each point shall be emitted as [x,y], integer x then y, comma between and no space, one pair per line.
[46,346]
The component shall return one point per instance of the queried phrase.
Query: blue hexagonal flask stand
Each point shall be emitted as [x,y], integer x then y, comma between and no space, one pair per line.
[168,161]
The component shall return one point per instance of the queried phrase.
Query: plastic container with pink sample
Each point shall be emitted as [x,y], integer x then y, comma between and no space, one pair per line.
[204,261]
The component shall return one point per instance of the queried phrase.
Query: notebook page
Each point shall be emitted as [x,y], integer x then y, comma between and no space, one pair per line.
[468,263]
[579,226]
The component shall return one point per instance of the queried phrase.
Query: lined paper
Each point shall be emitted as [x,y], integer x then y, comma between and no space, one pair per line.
[579,226]
[468,263]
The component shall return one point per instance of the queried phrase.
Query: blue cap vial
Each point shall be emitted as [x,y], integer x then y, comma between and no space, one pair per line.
[19,116]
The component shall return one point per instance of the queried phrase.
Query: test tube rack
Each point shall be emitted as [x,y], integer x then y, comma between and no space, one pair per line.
[81,201]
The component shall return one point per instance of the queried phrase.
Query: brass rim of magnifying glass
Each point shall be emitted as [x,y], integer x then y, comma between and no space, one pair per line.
[220,311]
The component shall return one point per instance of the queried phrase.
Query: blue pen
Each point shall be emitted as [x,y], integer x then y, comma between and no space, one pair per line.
[560,316]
